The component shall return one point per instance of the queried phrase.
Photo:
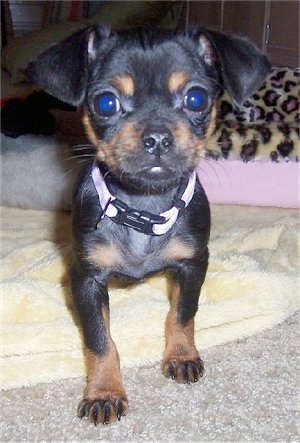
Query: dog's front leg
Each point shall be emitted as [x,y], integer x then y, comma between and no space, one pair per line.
[181,360]
[105,399]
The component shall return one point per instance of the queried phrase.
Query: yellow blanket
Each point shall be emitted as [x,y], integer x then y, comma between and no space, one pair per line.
[252,284]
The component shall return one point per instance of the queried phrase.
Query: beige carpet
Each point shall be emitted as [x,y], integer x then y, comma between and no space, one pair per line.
[249,393]
[252,285]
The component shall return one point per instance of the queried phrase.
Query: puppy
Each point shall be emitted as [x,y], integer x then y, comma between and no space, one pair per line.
[148,103]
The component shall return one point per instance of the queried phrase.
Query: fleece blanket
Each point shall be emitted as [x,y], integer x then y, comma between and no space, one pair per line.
[251,285]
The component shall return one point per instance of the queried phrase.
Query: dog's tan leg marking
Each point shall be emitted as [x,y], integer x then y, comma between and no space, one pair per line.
[105,400]
[181,360]
[105,256]
[177,250]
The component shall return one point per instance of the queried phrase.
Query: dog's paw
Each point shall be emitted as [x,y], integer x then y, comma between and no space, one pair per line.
[105,411]
[183,371]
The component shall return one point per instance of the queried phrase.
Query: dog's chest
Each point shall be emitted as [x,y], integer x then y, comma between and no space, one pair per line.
[140,254]
[134,256]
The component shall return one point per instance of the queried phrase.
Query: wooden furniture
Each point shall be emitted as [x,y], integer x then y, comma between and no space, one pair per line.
[272,25]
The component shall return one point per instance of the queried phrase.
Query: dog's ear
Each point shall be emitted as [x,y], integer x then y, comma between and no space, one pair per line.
[241,64]
[62,69]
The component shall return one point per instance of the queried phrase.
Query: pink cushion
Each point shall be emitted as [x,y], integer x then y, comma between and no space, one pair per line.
[253,183]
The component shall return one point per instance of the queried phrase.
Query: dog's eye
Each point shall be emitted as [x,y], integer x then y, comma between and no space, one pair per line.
[107,104]
[196,99]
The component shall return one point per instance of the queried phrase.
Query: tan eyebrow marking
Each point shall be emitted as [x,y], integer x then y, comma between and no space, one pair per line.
[177,81]
[124,83]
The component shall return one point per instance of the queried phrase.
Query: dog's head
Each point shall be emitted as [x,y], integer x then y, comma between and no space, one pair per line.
[148,96]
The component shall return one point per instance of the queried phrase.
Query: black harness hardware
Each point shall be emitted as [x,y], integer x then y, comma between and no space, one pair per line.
[141,221]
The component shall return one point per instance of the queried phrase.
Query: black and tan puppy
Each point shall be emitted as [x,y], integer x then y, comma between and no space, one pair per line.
[148,103]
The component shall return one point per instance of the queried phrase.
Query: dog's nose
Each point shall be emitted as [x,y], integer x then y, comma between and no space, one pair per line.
[157,141]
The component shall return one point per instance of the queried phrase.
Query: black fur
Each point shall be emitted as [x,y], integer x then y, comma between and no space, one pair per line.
[145,173]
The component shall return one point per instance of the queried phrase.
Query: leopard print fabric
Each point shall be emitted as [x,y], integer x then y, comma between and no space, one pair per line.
[265,128]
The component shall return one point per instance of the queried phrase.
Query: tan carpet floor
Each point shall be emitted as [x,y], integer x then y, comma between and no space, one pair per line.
[250,392]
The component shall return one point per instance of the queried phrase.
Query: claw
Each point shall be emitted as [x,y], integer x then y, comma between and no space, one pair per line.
[82,408]
[95,411]
[182,371]
[102,411]
[172,371]
[200,366]
[194,373]
[107,411]
[119,410]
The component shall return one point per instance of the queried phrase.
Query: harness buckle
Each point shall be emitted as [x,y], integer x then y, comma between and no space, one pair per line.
[141,221]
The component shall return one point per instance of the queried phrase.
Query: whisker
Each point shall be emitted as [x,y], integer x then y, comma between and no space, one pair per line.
[82,146]
[216,82]
[82,151]
[76,155]
[80,159]
[219,164]
[207,175]
[214,165]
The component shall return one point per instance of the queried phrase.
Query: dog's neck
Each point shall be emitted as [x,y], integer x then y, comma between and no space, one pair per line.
[142,221]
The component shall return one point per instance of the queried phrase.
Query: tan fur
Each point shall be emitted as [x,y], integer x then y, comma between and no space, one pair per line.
[212,125]
[177,81]
[177,249]
[103,374]
[91,134]
[128,137]
[104,378]
[105,256]
[180,344]
[124,84]
[123,143]
[189,142]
